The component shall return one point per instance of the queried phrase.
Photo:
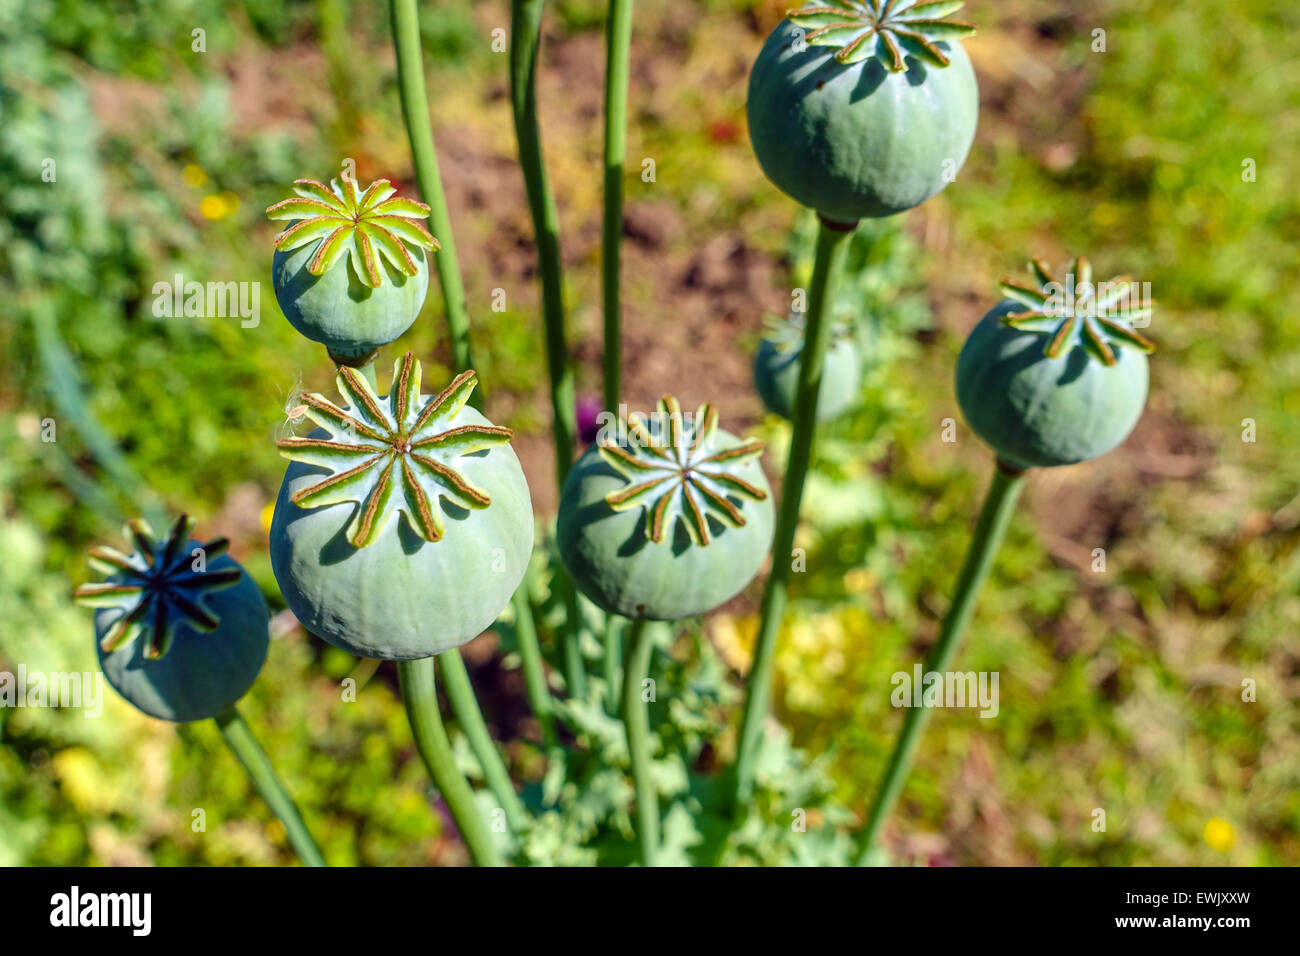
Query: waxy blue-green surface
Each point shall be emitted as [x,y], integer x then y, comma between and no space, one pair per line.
[776,377]
[202,673]
[340,311]
[1040,411]
[615,564]
[400,597]
[858,141]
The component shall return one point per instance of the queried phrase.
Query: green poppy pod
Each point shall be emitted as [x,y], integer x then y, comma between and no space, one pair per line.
[863,108]
[668,519]
[1055,373]
[437,576]
[349,270]
[181,629]
[776,369]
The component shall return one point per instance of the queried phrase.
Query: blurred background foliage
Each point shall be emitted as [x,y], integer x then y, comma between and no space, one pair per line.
[1164,146]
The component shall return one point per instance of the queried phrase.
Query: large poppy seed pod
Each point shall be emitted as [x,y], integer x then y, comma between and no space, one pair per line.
[668,519]
[863,108]
[1055,373]
[408,587]
[350,270]
[776,369]
[181,629]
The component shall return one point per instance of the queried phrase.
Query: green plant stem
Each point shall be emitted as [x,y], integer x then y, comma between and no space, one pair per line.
[612,663]
[636,720]
[460,694]
[832,240]
[535,686]
[415,110]
[995,516]
[575,668]
[262,773]
[525,37]
[618,40]
[367,372]
[420,698]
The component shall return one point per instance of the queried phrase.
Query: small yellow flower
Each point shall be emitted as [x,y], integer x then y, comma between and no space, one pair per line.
[1220,834]
[212,207]
[267,513]
[193,176]
[858,581]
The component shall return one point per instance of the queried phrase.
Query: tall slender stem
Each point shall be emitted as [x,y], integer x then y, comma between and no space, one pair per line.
[525,37]
[421,701]
[636,720]
[460,694]
[415,110]
[535,686]
[267,782]
[832,240]
[575,667]
[618,40]
[995,516]
[612,663]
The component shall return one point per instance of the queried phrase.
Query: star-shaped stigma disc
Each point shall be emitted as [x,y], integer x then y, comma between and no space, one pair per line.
[674,469]
[158,587]
[395,454]
[1098,316]
[343,219]
[896,25]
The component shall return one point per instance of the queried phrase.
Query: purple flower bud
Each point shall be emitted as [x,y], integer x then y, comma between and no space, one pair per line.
[587,410]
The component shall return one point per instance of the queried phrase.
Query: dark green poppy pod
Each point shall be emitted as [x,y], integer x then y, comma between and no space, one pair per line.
[1055,373]
[438,575]
[350,269]
[863,108]
[776,369]
[667,519]
[180,628]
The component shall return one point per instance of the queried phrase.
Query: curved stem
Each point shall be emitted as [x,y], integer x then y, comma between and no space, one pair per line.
[415,110]
[636,720]
[460,694]
[618,40]
[999,505]
[525,36]
[832,239]
[262,774]
[420,698]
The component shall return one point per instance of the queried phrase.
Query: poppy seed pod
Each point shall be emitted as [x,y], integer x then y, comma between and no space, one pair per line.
[1055,373]
[776,369]
[668,520]
[863,108]
[181,629]
[403,524]
[350,270]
